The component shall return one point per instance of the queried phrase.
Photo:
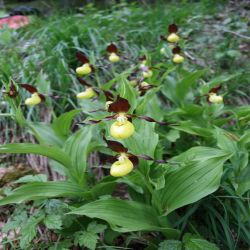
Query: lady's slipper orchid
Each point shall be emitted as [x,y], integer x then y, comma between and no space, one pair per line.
[86,68]
[177,58]
[121,167]
[113,50]
[124,162]
[87,94]
[147,74]
[114,58]
[123,127]
[143,87]
[133,83]
[214,98]
[173,37]
[35,98]
[146,70]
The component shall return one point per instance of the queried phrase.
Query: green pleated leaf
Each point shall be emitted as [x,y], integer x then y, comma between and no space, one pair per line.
[125,216]
[45,134]
[193,129]
[77,147]
[38,190]
[62,124]
[51,152]
[183,87]
[194,242]
[138,144]
[194,174]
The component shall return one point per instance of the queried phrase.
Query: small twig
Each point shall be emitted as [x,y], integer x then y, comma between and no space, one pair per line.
[235,33]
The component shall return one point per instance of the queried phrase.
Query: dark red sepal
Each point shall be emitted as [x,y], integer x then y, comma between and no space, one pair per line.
[83,82]
[115,146]
[42,97]
[112,48]
[120,105]
[148,158]
[29,88]
[143,89]
[143,58]
[81,57]
[92,68]
[109,95]
[215,89]
[134,159]
[172,28]
[176,50]
[107,158]
[149,119]
[163,38]
[107,118]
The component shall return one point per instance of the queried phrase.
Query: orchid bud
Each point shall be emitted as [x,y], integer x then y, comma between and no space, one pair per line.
[213,98]
[121,167]
[133,83]
[85,69]
[178,58]
[173,38]
[87,94]
[147,74]
[33,100]
[162,50]
[143,64]
[171,46]
[144,84]
[114,58]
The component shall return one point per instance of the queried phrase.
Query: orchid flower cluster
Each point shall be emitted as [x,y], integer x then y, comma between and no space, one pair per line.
[118,106]
[173,38]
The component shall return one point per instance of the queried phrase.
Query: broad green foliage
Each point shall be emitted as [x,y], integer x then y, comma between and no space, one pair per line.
[125,216]
[191,176]
[77,148]
[193,171]
[39,190]
[46,150]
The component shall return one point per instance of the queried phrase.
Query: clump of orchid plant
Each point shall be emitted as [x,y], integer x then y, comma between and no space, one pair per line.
[212,96]
[178,57]
[35,98]
[89,92]
[144,68]
[173,36]
[86,67]
[113,53]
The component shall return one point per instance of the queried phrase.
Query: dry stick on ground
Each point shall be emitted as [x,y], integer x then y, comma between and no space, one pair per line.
[235,33]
